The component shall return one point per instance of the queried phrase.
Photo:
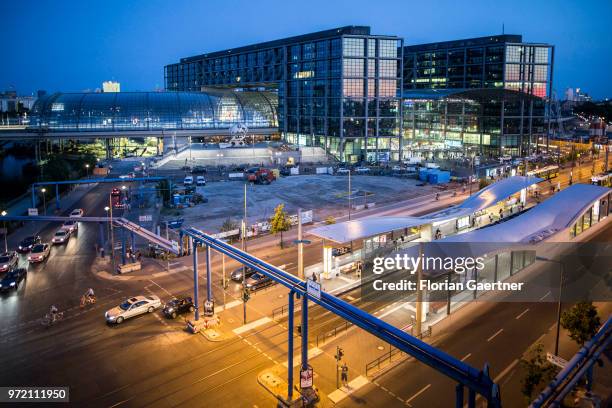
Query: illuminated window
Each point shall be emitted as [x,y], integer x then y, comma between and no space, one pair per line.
[353,67]
[353,88]
[387,49]
[353,47]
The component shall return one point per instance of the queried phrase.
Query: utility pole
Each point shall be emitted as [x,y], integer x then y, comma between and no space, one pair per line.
[419,299]
[349,194]
[244,270]
[110,205]
[300,246]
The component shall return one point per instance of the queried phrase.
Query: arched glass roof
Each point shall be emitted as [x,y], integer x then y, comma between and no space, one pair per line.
[125,111]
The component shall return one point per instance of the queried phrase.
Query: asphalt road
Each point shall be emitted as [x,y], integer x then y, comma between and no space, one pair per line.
[150,361]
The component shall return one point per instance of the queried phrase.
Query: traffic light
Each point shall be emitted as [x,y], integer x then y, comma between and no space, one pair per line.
[245,295]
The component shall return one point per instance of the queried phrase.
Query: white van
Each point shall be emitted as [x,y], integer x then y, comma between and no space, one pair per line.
[188,181]
[200,181]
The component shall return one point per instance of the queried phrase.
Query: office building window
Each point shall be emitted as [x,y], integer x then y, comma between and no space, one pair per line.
[353,67]
[387,48]
[353,47]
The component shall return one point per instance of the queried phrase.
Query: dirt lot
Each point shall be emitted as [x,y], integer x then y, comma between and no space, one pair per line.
[325,194]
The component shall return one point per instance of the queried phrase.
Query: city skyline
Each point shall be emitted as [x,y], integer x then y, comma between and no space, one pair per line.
[111,46]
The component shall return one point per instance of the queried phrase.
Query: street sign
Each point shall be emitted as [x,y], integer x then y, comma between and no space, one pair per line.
[306,378]
[556,360]
[145,218]
[32,211]
[313,288]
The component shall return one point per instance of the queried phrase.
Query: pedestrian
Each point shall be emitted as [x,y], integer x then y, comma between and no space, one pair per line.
[138,255]
[344,375]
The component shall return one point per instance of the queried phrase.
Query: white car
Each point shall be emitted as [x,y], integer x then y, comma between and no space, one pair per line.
[39,252]
[188,181]
[200,181]
[61,236]
[362,169]
[77,212]
[342,170]
[131,307]
[72,226]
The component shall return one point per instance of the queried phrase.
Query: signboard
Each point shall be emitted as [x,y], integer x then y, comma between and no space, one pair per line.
[556,360]
[145,218]
[313,288]
[306,378]
[32,211]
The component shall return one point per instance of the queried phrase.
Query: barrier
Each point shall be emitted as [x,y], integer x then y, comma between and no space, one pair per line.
[129,267]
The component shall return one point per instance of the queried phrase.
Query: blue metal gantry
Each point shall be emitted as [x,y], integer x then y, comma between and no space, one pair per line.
[87,181]
[477,381]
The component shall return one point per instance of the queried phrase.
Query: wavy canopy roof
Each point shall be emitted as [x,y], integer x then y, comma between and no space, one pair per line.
[125,111]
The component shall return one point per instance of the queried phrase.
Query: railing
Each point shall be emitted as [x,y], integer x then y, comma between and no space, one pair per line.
[322,338]
[388,356]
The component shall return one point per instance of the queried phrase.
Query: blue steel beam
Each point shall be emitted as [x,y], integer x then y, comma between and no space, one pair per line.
[474,379]
[99,180]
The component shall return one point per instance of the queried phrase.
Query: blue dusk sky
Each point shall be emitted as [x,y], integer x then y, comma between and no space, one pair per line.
[75,45]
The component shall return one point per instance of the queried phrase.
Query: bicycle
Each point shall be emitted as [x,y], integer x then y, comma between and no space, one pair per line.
[48,320]
[87,300]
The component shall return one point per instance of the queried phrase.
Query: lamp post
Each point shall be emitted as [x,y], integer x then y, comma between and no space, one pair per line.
[112,237]
[5,231]
[44,190]
[561,280]
[349,194]
[87,170]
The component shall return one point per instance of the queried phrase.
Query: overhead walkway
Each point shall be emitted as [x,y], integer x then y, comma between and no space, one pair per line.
[119,222]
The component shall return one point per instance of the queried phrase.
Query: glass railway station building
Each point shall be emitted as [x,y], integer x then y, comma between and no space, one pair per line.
[352,94]
[361,96]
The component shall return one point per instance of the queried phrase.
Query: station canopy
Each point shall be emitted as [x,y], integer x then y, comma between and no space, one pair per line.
[362,228]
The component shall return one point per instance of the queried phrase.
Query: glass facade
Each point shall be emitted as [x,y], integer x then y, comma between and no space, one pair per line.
[472,113]
[337,89]
[125,111]
[455,123]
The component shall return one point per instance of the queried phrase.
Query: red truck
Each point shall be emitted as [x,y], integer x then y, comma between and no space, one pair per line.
[260,175]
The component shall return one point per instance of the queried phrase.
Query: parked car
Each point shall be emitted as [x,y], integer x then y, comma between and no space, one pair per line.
[236,275]
[115,192]
[188,181]
[72,226]
[178,306]
[200,181]
[131,307]
[13,279]
[342,171]
[198,169]
[258,281]
[341,250]
[77,212]
[362,169]
[40,252]
[61,236]
[8,261]
[27,243]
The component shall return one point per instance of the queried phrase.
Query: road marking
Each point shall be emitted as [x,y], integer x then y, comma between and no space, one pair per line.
[252,325]
[422,390]
[495,334]
[522,313]
[231,304]
[156,284]
[542,298]
[466,356]
[506,370]
[344,392]
[312,353]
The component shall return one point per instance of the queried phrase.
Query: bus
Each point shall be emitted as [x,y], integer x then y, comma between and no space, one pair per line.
[546,173]
[603,179]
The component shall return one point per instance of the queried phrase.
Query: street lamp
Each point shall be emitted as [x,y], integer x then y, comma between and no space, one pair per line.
[561,278]
[44,190]
[87,169]
[5,231]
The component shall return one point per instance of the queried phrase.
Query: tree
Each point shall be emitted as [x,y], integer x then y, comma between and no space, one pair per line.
[229,225]
[538,371]
[482,183]
[330,220]
[279,222]
[56,169]
[581,321]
